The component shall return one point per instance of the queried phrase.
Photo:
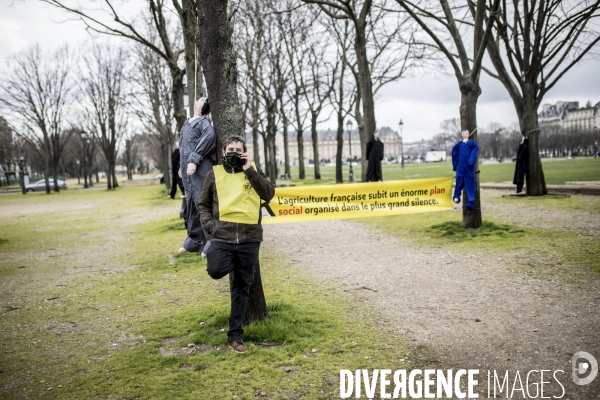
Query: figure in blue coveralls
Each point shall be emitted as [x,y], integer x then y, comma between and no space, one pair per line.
[464,157]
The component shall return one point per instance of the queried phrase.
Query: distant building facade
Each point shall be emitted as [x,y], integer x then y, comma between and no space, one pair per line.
[567,115]
[327,146]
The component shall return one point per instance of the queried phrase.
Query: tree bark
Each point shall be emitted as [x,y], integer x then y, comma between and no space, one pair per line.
[193,66]
[286,150]
[220,70]
[339,177]
[468,116]
[315,143]
[528,121]
[368,125]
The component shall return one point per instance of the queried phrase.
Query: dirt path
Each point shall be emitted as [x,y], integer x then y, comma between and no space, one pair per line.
[469,308]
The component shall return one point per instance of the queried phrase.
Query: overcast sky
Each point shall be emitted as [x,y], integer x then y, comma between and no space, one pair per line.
[422,103]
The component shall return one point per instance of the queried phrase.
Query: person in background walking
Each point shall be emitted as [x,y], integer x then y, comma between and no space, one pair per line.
[198,147]
[522,164]
[176,179]
[374,156]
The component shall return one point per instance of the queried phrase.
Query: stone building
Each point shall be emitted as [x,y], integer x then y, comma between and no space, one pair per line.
[567,115]
[327,146]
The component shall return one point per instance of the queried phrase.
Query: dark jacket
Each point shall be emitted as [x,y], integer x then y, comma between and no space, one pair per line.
[374,150]
[522,163]
[197,144]
[175,162]
[232,232]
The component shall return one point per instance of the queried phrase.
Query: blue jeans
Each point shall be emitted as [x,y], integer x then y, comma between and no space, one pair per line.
[240,259]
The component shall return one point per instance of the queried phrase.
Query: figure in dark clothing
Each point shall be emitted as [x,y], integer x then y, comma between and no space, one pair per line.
[176,179]
[374,156]
[522,164]
[198,145]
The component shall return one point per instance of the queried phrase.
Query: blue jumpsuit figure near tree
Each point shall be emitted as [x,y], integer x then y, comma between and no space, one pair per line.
[464,157]
[197,147]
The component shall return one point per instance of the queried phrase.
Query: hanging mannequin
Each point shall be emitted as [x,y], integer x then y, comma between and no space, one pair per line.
[464,157]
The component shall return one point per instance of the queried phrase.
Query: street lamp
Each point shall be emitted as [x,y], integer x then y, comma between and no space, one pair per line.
[401,124]
[85,142]
[349,128]
[21,173]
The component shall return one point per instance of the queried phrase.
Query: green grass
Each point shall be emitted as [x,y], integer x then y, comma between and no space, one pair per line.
[556,171]
[91,298]
[553,251]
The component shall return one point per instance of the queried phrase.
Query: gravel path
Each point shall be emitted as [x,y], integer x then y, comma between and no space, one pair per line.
[468,308]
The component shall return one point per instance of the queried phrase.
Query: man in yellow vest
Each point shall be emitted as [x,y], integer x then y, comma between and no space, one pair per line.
[229,209]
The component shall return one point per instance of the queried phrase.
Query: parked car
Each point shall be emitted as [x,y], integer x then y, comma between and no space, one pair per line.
[41,185]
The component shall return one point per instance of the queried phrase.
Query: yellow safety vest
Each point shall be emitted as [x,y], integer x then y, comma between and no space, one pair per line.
[238,201]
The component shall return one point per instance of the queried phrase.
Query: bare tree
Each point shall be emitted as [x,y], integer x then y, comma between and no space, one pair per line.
[105,19]
[36,90]
[155,104]
[319,84]
[8,157]
[445,25]
[358,13]
[130,157]
[535,44]
[104,93]
[296,41]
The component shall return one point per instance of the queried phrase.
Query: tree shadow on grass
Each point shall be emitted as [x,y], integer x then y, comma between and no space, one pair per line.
[458,233]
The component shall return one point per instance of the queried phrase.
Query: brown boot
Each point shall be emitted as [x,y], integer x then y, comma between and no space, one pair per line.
[238,346]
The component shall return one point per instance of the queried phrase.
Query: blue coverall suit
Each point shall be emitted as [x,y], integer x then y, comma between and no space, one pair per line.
[464,157]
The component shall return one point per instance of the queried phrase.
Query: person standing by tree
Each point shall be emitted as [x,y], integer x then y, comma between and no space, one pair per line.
[229,209]
[374,156]
[198,145]
[176,181]
[521,164]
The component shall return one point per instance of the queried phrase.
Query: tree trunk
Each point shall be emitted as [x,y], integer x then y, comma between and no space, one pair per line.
[255,129]
[315,144]
[55,179]
[468,119]
[108,177]
[179,112]
[166,164]
[270,156]
[366,93]
[193,66]
[114,174]
[360,128]
[286,150]
[47,163]
[339,177]
[536,182]
[220,70]
[301,168]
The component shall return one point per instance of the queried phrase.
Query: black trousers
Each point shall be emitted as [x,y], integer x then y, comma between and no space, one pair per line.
[374,171]
[240,259]
[176,182]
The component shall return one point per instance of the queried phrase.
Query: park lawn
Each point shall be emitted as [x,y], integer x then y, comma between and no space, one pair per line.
[556,252]
[91,298]
[556,171]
